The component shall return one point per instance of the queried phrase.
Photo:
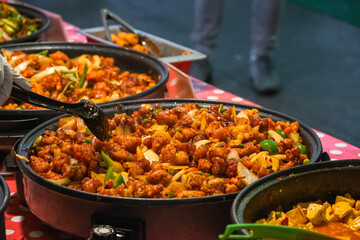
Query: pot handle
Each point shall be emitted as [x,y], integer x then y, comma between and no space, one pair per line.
[324,157]
[113,228]
[10,162]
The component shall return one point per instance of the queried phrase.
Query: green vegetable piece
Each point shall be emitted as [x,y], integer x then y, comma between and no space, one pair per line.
[116,166]
[270,146]
[129,159]
[8,28]
[241,145]
[306,161]
[109,174]
[88,132]
[1,34]
[37,141]
[69,72]
[281,133]
[302,148]
[269,166]
[83,77]
[177,129]
[146,120]
[278,215]
[221,108]
[199,106]
[31,28]
[220,145]
[171,195]
[43,53]
[119,180]
[88,140]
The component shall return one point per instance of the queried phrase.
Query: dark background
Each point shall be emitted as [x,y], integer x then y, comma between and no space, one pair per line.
[318,56]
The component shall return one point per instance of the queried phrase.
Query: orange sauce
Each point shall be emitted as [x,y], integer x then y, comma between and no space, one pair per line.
[338,229]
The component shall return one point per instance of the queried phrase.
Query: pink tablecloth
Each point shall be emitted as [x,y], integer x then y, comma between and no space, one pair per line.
[22,224]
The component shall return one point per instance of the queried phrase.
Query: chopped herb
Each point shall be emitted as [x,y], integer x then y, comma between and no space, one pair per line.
[201,173]
[69,72]
[177,129]
[221,108]
[83,77]
[43,53]
[171,195]
[88,140]
[75,163]
[241,145]
[199,106]
[146,120]
[128,158]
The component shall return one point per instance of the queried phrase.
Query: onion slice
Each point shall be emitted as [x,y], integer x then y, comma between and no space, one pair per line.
[48,71]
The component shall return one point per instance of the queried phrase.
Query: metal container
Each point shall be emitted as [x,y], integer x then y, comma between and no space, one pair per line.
[306,183]
[75,211]
[31,13]
[15,123]
[171,52]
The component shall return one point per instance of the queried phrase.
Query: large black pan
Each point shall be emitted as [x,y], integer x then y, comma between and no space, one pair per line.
[4,199]
[31,13]
[306,183]
[17,122]
[195,218]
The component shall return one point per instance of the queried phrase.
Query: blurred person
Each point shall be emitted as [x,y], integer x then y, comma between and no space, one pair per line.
[8,76]
[264,21]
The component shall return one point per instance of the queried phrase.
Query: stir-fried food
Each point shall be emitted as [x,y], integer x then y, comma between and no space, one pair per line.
[340,220]
[90,77]
[14,25]
[186,151]
[129,40]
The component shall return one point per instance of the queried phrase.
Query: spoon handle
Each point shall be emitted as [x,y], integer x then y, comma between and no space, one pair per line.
[40,101]
[260,231]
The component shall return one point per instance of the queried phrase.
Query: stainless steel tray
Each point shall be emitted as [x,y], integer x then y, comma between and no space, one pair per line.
[171,52]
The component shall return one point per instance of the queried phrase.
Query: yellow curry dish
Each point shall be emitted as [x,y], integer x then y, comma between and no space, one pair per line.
[340,220]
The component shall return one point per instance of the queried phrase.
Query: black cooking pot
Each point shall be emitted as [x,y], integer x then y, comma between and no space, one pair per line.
[4,199]
[31,13]
[193,218]
[306,183]
[17,122]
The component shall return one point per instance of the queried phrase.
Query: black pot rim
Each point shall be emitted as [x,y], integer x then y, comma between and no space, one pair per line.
[5,201]
[246,194]
[26,9]
[87,46]
[26,169]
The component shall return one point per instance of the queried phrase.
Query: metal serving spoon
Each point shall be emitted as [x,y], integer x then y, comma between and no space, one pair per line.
[145,41]
[265,231]
[92,115]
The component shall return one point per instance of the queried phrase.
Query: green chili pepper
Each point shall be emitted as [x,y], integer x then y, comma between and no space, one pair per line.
[37,141]
[8,28]
[43,53]
[88,132]
[171,195]
[306,161]
[83,77]
[281,133]
[88,140]
[270,146]
[221,108]
[302,148]
[241,145]
[109,174]
[116,166]
[119,180]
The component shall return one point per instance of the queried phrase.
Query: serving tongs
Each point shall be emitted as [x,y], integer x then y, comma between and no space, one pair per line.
[266,231]
[145,41]
[92,115]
